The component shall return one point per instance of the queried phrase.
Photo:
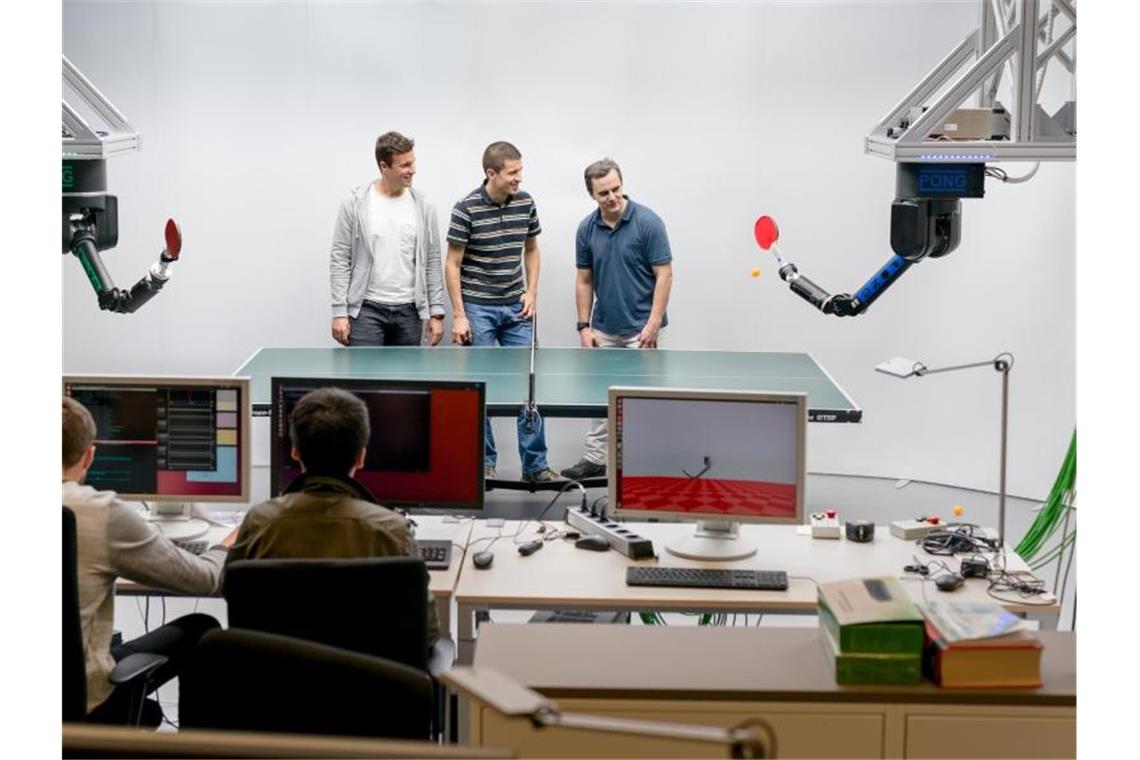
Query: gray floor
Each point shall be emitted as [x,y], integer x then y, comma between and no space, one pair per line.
[878,499]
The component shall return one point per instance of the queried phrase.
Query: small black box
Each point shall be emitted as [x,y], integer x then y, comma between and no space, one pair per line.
[975,567]
[860,531]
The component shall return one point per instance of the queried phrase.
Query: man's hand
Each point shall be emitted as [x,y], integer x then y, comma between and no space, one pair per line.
[647,338]
[340,330]
[586,338]
[435,330]
[528,299]
[460,330]
[228,541]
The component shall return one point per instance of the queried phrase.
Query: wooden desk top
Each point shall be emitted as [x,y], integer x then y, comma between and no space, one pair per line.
[561,575]
[724,663]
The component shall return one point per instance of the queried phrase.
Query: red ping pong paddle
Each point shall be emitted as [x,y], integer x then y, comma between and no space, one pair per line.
[173,239]
[766,232]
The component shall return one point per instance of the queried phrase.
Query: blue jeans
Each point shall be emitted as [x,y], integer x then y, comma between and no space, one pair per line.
[500,324]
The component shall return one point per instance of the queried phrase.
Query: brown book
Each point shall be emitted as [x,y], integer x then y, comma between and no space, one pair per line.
[1012,660]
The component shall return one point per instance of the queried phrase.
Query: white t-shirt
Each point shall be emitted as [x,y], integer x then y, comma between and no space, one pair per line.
[392,228]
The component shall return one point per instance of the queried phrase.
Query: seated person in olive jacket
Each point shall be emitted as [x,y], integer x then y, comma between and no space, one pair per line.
[325,513]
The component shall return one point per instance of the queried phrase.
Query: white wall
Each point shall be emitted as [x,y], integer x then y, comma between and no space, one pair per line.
[258,117]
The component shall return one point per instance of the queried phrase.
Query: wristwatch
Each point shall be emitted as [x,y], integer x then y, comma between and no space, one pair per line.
[582,326]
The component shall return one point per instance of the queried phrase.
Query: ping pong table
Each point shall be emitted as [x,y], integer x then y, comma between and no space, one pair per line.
[568,382]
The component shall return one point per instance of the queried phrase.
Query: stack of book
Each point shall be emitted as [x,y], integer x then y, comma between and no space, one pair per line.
[872,632]
[980,645]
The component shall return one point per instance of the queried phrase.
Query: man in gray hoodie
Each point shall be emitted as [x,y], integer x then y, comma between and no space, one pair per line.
[385,271]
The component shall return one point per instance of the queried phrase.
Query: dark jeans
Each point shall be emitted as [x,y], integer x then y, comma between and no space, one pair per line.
[176,640]
[379,324]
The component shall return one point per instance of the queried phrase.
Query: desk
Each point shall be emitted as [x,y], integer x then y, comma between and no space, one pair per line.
[441,583]
[560,575]
[722,676]
[570,382]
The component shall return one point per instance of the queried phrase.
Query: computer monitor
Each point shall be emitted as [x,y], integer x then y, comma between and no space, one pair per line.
[717,457]
[168,439]
[425,452]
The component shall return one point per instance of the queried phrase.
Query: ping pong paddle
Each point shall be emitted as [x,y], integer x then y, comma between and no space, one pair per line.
[766,232]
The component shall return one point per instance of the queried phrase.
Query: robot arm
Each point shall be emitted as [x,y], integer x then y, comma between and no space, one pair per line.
[926,220]
[90,215]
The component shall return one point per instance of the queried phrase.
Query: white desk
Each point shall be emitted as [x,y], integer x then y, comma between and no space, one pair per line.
[561,576]
[441,583]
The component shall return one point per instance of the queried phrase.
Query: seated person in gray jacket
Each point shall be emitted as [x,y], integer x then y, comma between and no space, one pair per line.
[113,541]
[325,513]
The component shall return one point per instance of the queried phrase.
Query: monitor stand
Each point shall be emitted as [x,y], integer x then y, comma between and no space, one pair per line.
[175,521]
[716,540]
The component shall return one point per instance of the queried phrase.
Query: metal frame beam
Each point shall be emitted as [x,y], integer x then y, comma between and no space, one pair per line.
[88,142]
[1006,38]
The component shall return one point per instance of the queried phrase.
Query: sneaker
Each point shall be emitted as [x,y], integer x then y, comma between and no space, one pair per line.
[584,469]
[541,476]
[489,472]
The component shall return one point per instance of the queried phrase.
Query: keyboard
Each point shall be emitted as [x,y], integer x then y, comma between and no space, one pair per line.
[194,545]
[436,553]
[697,577]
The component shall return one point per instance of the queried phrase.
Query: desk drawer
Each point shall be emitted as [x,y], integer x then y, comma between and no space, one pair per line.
[1042,733]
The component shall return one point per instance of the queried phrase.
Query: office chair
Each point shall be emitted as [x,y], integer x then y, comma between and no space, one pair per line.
[373,605]
[132,672]
[245,680]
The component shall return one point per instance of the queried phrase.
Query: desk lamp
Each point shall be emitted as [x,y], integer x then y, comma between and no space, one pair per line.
[1003,363]
[512,699]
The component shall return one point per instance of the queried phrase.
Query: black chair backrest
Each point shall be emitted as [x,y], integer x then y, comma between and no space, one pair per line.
[74,667]
[251,681]
[375,605]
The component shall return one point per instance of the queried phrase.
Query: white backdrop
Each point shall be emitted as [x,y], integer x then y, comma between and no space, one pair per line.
[258,117]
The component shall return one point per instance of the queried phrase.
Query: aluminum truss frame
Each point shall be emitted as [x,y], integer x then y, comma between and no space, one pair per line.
[1003,43]
[115,136]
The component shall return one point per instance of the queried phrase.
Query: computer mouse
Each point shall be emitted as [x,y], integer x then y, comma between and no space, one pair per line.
[948,581]
[593,543]
[482,560]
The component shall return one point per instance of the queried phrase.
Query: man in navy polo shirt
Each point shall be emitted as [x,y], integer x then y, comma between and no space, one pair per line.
[625,272]
[493,232]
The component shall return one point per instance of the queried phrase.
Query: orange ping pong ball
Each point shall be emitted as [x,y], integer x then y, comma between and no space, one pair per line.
[958,510]
[756,272]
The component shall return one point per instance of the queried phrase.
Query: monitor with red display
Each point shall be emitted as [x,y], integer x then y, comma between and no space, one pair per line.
[425,451]
[168,439]
[716,457]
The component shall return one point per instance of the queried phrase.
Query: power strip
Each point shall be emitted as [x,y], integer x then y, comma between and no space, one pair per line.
[621,538]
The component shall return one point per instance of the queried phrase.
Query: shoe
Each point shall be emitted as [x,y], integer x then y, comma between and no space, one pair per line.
[489,472]
[584,469]
[541,476]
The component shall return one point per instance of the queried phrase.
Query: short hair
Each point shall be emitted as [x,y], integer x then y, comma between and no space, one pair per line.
[78,431]
[329,427]
[497,154]
[391,144]
[599,169]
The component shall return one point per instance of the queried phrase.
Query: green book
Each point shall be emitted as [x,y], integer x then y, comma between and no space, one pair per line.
[871,616]
[867,668]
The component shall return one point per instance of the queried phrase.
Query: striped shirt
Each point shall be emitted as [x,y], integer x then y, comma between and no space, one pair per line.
[492,237]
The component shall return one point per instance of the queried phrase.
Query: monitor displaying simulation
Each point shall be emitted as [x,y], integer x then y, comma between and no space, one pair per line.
[168,438]
[708,454]
[426,445]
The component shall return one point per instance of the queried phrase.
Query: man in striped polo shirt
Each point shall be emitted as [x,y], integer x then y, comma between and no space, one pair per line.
[493,234]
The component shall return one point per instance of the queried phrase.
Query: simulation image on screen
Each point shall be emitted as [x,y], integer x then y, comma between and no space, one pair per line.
[708,458]
[155,440]
[426,443]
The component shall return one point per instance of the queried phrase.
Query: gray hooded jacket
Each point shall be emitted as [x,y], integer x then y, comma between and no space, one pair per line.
[350,259]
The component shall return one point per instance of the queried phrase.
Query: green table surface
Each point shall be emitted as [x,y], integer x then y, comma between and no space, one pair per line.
[569,382]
